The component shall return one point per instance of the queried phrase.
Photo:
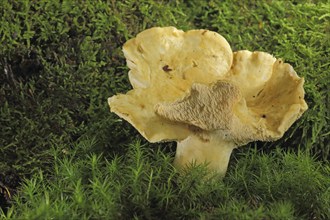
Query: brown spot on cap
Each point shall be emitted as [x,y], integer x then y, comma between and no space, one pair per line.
[260,92]
[166,68]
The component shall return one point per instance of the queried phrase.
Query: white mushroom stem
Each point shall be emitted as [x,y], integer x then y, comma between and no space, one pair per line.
[214,151]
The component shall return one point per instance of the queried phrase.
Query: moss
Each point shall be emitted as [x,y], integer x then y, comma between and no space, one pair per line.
[144,185]
[61,60]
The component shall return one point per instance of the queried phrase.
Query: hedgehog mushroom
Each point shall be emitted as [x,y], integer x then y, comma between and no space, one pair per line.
[189,87]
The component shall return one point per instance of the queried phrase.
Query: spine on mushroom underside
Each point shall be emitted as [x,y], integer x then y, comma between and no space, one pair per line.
[210,149]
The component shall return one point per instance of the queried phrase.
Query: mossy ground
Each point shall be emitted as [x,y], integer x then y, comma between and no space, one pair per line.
[63,155]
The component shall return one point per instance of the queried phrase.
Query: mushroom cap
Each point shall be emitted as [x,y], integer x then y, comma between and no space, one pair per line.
[158,54]
[191,83]
[273,100]
[164,63]
[259,99]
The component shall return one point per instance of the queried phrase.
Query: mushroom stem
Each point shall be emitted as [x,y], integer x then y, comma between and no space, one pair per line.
[213,150]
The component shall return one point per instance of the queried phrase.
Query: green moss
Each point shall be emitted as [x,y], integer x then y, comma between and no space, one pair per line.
[61,60]
[144,185]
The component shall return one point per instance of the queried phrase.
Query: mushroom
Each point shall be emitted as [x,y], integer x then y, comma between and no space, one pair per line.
[191,88]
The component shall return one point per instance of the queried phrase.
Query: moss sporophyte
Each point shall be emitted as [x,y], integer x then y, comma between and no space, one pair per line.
[196,91]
